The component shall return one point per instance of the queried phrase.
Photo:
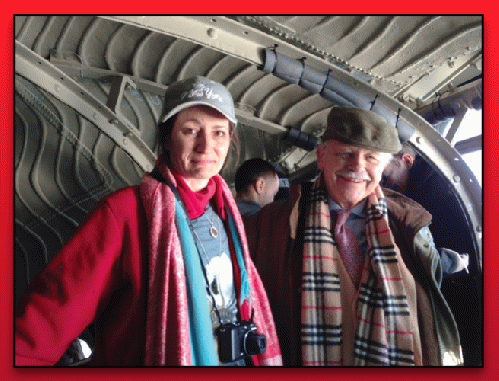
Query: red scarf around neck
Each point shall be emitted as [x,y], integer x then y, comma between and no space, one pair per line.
[195,202]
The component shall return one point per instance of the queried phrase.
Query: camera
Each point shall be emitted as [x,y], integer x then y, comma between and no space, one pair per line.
[238,340]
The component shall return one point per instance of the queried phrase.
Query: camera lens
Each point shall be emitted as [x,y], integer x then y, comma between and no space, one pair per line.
[255,344]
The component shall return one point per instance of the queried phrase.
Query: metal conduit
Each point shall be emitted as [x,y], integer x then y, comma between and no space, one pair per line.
[330,88]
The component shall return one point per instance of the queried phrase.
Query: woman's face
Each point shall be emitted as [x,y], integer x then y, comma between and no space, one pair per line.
[199,144]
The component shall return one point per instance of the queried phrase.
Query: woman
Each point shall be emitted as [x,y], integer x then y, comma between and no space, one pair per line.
[161,268]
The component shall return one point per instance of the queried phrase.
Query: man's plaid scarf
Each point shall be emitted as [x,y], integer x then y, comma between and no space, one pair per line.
[383,328]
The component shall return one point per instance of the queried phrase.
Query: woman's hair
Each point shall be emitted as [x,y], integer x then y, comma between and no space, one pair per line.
[165,132]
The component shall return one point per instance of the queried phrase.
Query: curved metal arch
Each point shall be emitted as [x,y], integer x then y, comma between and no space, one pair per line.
[54,81]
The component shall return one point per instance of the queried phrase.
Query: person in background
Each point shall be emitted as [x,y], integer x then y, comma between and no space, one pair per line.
[397,171]
[351,271]
[256,182]
[161,268]
[399,176]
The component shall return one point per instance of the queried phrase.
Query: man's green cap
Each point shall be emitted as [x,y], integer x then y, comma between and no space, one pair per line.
[361,128]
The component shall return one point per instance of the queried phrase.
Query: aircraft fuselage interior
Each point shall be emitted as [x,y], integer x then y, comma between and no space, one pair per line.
[89,90]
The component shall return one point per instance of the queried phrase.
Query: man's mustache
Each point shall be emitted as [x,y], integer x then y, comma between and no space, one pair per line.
[354,175]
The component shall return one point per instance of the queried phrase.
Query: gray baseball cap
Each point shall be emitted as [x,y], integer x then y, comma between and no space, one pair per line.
[361,128]
[197,91]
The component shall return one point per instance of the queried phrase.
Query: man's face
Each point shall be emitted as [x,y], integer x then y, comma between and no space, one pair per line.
[350,173]
[199,144]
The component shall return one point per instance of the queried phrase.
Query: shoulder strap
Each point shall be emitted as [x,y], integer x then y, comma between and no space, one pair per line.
[156,175]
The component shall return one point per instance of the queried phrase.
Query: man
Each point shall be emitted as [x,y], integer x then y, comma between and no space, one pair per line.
[397,171]
[411,175]
[399,176]
[257,182]
[378,304]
